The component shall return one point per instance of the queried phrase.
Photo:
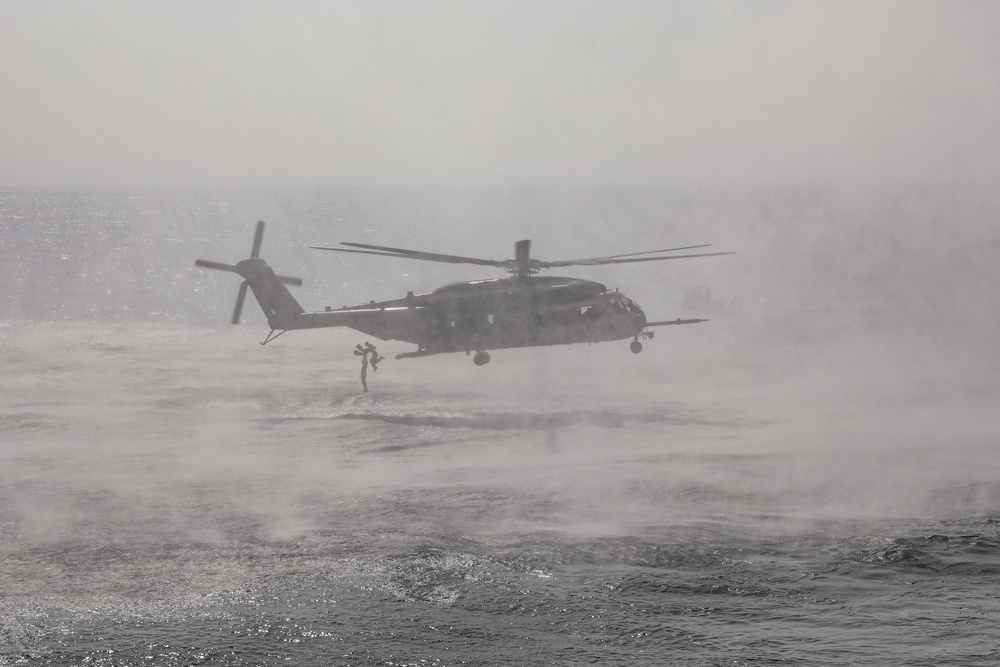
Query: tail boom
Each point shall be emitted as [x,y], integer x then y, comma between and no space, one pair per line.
[283,312]
[278,304]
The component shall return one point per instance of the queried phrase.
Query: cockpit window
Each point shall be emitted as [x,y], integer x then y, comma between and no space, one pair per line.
[630,305]
[620,302]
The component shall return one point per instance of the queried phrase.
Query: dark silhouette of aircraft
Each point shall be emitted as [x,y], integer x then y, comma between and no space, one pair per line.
[524,310]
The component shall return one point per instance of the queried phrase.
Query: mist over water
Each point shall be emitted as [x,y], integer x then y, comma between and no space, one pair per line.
[810,471]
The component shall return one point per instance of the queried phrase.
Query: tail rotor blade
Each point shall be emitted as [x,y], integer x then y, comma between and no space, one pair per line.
[290,280]
[206,264]
[240,298]
[522,253]
[258,238]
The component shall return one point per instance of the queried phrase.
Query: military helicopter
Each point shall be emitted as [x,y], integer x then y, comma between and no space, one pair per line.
[523,310]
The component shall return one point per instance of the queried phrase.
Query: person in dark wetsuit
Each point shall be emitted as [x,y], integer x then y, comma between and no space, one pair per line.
[370,349]
[364,352]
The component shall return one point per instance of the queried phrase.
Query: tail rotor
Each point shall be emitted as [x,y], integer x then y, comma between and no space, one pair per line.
[258,239]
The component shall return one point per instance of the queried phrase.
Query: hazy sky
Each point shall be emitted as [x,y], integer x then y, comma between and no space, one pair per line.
[227,93]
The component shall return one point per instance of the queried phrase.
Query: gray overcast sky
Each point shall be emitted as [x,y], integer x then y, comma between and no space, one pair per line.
[314,93]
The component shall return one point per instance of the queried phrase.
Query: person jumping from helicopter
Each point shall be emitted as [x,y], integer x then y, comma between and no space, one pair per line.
[364,352]
[375,359]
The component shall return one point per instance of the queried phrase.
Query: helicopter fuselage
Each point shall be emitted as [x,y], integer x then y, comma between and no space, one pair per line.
[495,314]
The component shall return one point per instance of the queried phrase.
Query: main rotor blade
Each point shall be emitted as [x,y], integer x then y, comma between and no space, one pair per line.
[412,254]
[206,264]
[258,238]
[591,260]
[428,256]
[360,252]
[239,302]
[600,261]
[644,252]
[522,262]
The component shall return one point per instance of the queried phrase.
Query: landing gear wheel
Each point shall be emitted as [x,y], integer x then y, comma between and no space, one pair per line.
[481,358]
[636,347]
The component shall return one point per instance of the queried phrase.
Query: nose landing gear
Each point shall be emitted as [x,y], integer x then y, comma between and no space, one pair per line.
[481,358]
[635,345]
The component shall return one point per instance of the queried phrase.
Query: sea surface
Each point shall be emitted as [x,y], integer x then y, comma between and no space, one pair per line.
[812,477]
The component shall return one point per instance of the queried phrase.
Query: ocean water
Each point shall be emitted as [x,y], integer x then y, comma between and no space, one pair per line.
[812,477]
